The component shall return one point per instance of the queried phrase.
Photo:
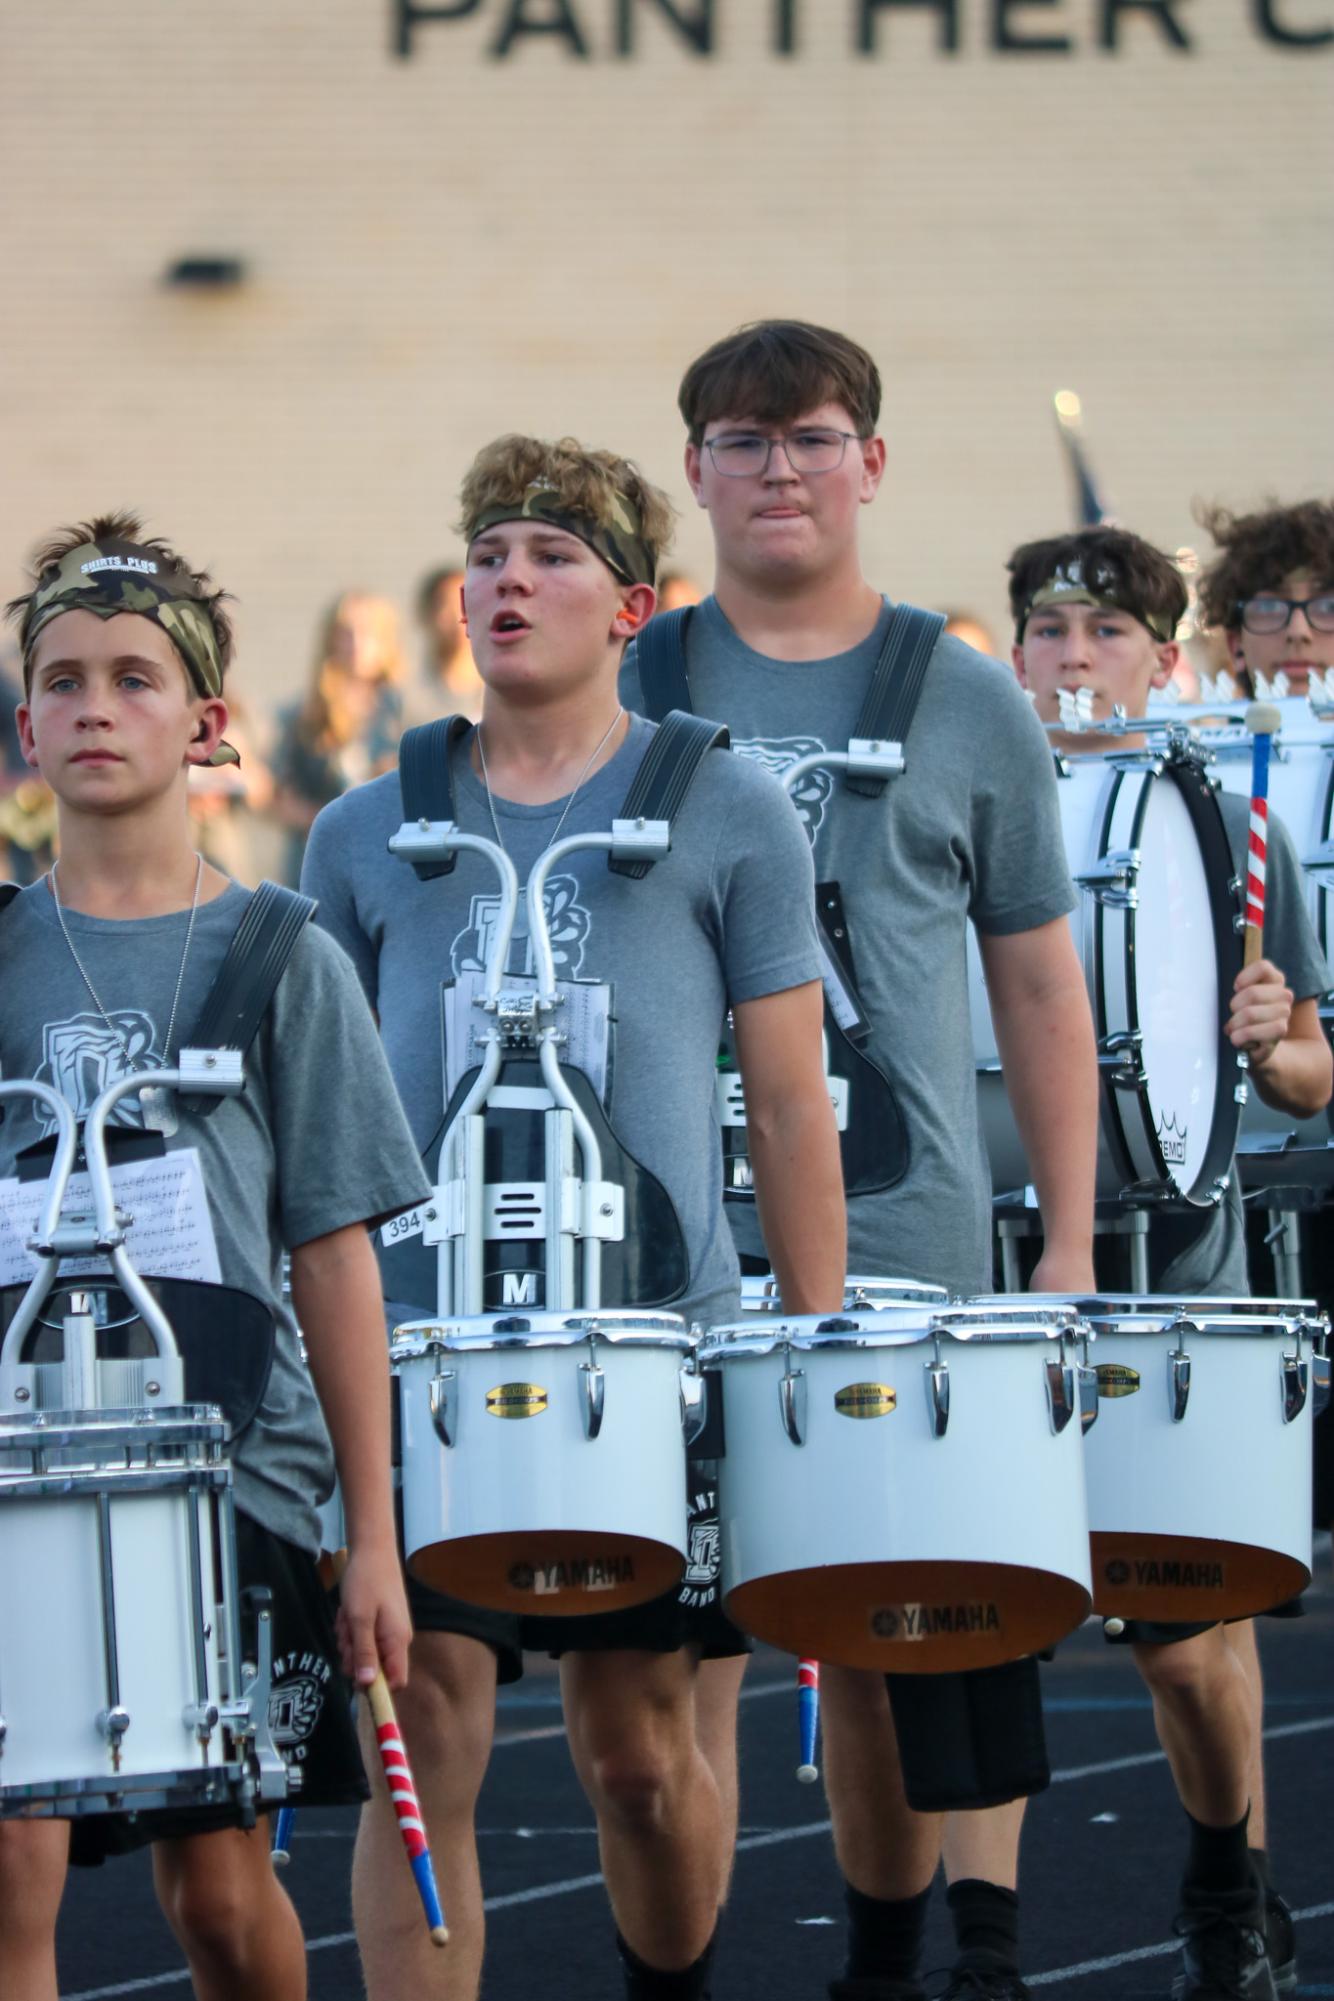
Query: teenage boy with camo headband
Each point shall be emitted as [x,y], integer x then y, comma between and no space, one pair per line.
[783,454]
[124,653]
[1098,610]
[563,546]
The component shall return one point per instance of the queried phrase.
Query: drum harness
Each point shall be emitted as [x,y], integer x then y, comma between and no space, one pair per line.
[527,1156]
[209,1068]
[873,1136]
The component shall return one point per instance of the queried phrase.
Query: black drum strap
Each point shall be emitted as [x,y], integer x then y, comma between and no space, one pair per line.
[660,656]
[665,775]
[262,944]
[8,891]
[896,685]
[425,783]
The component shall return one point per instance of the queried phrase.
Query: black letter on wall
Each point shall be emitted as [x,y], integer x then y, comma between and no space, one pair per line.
[1003,35]
[696,29]
[408,14]
[1163,12]
[1267,21]
[948,11]
[560,20]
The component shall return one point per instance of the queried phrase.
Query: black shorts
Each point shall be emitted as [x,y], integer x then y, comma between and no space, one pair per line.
[436,1612]
[1166,1632]
[689,1615]
[310,1708]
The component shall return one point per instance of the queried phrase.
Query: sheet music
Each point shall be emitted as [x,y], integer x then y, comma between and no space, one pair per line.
[171,1236]
[585,1022]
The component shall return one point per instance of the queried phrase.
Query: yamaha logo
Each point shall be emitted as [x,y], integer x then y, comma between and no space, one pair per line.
[516,1400]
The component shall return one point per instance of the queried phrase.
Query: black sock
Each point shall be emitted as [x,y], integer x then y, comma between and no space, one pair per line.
[1219,1862]
[647,1983]
[1260,1864]
[986,1920]
[885,1935]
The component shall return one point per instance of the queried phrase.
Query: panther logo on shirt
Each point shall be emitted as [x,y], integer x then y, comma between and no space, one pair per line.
[778,754]
[568,920]
[82,1056]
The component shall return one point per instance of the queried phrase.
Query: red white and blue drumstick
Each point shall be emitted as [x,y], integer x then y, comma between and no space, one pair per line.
[282,1836]
[808,1718]
[1263,721]
[402,1791]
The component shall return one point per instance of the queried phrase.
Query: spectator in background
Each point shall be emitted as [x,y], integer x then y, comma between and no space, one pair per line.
[675,590]
[346,729]
[224,799]
[27,806]
[454,687]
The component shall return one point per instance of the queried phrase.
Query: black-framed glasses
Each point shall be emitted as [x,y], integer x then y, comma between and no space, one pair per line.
[1271,613]
[746,454]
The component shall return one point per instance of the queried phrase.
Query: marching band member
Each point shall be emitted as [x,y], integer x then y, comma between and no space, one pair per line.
[562,549]
[124,653]
[1098,610]
[1271,590]
[783,455]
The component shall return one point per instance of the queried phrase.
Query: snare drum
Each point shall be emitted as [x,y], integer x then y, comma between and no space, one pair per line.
[1199,1469]
[544,1458]
[1147,846]
[905,1493]
[118,1623]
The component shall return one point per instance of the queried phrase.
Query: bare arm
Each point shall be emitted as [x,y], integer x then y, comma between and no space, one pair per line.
[794,1145]
[336,1293]
[1291,1066]
[1044,1032]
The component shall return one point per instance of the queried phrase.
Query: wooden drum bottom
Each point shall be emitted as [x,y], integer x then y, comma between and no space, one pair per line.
[549,1572]
[1189,1578]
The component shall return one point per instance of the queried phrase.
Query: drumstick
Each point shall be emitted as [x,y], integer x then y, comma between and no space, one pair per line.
[1263,721]
[402,1791]
[282,1836]
[808,1718]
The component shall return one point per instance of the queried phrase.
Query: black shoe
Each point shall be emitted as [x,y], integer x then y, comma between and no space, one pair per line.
[980,1977]
[871,1988]
[1223,1955]
[1280,1942]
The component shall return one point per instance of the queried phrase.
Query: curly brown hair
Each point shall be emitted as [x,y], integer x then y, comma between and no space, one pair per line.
[1257,551]
[121,526]
[586,482]
[1144,580]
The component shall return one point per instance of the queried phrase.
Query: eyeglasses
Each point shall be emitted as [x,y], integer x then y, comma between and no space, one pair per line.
[1274,614]
[746,454]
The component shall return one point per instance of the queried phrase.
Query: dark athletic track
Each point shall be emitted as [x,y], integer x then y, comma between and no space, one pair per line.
[1101,1855]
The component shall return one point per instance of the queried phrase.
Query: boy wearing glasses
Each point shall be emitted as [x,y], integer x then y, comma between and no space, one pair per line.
[1271,590]
[1098,611]
[783,455]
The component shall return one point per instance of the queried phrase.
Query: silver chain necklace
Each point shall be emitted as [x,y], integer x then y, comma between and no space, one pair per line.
[578,784]
[158,1112]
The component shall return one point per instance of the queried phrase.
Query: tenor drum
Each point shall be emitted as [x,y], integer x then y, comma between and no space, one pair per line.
[905,1494]
[1155,930]
[118,1613]
[544,1458]
[1199,1469]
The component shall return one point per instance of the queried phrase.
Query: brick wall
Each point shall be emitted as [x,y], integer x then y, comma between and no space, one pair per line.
[442,247]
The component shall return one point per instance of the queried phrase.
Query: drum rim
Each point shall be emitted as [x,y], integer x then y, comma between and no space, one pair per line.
[1186,767]
[620,1327]
[802,1332]
[173,1424]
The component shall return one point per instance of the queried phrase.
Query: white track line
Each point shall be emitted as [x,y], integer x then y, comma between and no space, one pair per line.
[571,1885]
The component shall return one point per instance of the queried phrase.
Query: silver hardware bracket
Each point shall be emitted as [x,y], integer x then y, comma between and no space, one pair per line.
[213,1073]
[869,757]
[640,840]
[423,841]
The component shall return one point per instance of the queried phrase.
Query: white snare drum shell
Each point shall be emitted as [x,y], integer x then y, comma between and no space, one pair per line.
[932,1516]
[562,1488]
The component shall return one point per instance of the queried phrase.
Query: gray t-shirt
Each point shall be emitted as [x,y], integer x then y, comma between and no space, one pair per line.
[315,1142]
[970,830]
[726,917]
[1204,1252]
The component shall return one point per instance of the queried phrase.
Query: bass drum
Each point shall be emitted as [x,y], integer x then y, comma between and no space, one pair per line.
[1155,929]
[1301,794]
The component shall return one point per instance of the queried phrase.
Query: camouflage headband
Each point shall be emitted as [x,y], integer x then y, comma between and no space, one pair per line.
[620,541]
[1069,585]
[114,576]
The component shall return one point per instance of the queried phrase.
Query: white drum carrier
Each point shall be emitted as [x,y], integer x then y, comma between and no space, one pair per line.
[904,1489]
[1199,1470]
[122,1685]
[1156,929]
[544,1458]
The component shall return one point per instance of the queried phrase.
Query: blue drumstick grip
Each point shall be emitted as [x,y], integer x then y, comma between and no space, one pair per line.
[282,1836]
